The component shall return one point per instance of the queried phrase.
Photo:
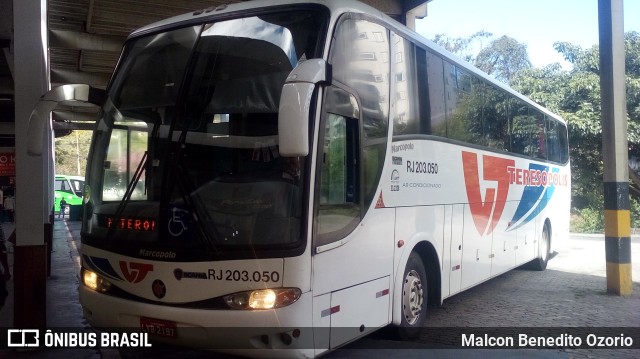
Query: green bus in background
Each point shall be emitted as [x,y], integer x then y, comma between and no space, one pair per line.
[70,188]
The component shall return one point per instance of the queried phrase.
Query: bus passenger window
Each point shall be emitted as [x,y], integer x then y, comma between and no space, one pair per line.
[563,140]
[528,132]
[556,141]
[63,186]
[459,102]
[405,98]
[435,75]
[361,63]
[540,138]
[521,128]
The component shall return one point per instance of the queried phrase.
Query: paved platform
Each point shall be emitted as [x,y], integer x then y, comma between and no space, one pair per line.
[570,293]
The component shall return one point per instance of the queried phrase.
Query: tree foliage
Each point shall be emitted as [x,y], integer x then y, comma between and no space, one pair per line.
[71,153]
[463,46]
[504,58]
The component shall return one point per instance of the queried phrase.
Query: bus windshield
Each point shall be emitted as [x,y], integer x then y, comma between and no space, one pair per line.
[186,152]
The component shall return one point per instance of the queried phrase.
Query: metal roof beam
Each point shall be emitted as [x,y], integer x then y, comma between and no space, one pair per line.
[412,4]
[85,41]
[71,126]
[69,116]
[60,76]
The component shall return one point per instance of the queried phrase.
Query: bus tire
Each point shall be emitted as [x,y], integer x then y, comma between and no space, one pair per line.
[414,298]
[540,263]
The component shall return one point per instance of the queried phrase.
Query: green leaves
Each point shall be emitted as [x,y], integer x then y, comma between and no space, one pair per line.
[462,46]
[504,58]
[72,152]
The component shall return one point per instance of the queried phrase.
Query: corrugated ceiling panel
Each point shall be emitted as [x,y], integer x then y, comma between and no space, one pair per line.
[123,16]
[98,61]
[68,14]
[64,58]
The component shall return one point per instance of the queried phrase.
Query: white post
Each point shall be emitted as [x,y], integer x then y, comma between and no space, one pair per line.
[33,178]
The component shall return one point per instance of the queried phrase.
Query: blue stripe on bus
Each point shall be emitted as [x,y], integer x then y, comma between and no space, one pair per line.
[533,195]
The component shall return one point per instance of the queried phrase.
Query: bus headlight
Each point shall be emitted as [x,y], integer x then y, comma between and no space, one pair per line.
[263,298]
[95,282]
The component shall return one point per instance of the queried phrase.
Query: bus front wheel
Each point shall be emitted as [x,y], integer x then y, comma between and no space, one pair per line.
[414,298]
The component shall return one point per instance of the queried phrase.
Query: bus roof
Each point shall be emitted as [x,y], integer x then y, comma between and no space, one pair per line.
[202,15]
[336,8]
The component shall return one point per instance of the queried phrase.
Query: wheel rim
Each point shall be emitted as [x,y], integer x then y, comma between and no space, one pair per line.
[412,297]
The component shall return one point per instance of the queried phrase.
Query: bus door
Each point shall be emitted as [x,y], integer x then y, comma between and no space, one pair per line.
[353,241]
[353,256]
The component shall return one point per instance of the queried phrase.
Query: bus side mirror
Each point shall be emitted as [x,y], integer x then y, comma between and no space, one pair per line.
[295,104]
[39,121]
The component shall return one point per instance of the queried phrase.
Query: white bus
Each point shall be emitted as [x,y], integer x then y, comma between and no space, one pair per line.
[282,177]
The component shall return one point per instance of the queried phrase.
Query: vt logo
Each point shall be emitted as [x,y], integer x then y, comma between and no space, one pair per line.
[486,211]
[135,272]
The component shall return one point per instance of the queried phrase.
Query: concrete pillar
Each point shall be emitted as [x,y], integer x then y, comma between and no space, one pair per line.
[419,12]
[615,147]
[34,175]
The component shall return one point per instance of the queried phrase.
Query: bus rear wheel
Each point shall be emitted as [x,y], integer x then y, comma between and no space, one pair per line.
[414,298]
[540,263]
